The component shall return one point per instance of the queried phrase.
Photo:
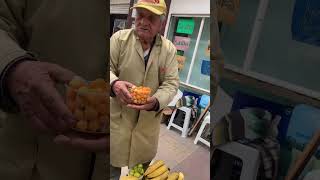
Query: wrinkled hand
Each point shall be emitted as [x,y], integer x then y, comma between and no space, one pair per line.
[84,143]
[32,85]
[121,90]
[149,105]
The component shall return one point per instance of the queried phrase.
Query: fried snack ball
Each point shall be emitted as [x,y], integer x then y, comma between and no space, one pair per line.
[98,84]
[79,114]
[140,94]
[77,83]
[90,114]
[89,104]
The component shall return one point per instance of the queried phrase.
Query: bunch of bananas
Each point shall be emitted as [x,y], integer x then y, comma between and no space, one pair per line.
[176,176]
[157,171]
[128,178]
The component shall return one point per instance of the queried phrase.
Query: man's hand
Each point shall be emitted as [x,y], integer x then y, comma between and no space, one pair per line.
[32,85]
[148,106]
[121,90]
[84,143]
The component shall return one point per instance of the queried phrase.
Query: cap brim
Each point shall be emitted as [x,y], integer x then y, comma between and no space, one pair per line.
[153,10]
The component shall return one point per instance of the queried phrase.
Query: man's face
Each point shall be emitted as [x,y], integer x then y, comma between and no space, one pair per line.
[147,24]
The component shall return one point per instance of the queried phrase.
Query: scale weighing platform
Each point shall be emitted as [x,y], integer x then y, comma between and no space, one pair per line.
[235,161]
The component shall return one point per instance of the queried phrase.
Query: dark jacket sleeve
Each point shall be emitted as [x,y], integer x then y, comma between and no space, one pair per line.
[12,39]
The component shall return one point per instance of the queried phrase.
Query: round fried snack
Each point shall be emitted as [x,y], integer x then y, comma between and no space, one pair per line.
[77,83]
[79,114]
[89,104]
[140,94]
[90,114]
[98,84]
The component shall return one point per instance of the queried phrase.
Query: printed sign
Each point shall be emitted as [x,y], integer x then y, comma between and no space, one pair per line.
[205,67]
[185,26]
[181,43]
[306,22]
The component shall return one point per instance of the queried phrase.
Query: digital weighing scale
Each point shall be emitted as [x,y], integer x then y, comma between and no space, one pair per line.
[235,161]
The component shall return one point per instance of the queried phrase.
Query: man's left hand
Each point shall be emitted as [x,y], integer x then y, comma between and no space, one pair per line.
[85,143]
[148,106]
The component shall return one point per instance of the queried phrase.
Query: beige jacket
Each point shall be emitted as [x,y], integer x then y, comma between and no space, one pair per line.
[69,33]
[134,134]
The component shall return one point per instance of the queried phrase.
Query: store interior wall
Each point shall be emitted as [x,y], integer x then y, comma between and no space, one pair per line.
[190,7]
[277,55]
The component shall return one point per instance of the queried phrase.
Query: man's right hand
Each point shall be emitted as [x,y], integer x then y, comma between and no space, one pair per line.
[121,90]
[32,85]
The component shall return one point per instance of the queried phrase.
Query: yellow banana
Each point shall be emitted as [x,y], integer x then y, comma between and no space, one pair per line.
[128,178]
[158,172]
[163,176]
[181,176]
[173,176]
[153,167]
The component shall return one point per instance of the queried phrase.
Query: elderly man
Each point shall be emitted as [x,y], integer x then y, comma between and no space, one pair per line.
[140,57]
[44,43]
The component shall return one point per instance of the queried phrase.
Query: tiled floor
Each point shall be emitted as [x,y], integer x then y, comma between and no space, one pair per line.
[173,148]
[181,154]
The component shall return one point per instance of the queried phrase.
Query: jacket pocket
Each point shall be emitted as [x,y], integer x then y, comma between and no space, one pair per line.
[115,115]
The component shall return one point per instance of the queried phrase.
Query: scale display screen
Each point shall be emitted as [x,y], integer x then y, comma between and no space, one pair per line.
[225,166]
